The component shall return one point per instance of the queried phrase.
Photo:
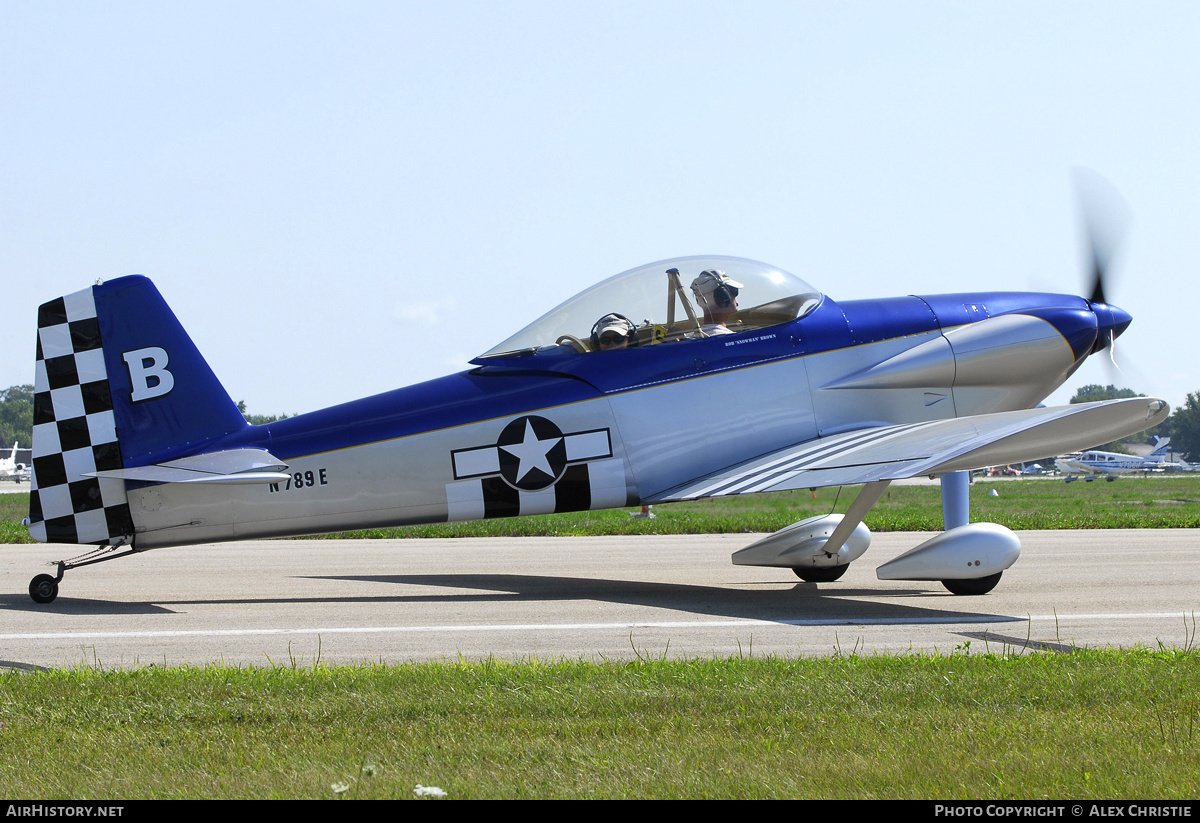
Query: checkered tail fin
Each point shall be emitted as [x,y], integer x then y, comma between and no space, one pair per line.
[117,384]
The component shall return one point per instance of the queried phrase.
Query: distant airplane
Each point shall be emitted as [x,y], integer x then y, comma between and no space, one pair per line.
[10,468]
[1093,464]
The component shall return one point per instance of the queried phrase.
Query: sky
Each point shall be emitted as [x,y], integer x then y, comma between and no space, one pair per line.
[342,198]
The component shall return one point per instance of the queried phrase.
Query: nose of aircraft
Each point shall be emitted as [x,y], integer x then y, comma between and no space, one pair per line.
[1111,322]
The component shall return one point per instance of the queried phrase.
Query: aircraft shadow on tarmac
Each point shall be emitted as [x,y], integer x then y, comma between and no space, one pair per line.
[798,602]
[80,606]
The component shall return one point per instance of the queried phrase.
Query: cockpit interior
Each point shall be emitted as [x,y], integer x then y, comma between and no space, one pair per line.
[661,307]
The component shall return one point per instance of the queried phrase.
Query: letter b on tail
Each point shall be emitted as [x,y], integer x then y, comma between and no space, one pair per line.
[148,375]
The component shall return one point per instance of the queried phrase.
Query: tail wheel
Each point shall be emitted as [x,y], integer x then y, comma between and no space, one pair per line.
[43,589]
[820,574]
[977,585]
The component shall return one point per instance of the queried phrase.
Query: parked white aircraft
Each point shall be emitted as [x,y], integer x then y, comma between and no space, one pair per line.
[10,468]
[1093,464]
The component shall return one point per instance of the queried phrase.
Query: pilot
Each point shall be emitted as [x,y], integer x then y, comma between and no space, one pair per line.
[717,294]
[613,331]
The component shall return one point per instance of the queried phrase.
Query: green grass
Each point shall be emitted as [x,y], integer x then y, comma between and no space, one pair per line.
[13,508]
[1128,503]
[1001,725]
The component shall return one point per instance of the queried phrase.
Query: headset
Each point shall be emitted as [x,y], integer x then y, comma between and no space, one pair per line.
[724,295]
[631,337]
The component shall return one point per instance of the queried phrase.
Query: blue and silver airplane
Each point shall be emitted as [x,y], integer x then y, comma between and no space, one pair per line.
[685,379]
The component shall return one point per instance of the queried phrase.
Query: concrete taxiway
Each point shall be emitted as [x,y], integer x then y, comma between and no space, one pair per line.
[291,602]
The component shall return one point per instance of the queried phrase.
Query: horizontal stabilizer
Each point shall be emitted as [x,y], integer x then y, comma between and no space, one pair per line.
[236,466]
[931,448]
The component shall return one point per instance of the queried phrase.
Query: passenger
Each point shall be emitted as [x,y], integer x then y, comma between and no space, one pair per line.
[613,331]
[717,294]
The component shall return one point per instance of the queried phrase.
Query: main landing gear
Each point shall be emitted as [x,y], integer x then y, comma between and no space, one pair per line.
[967,558]
[956,511]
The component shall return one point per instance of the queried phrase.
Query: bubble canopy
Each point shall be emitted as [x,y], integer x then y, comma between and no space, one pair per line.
[658,300]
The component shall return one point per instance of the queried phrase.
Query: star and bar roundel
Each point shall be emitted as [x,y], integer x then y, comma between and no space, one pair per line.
[535,468]
[533,452]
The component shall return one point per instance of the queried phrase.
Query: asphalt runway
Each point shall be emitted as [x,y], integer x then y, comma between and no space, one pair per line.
[294,602]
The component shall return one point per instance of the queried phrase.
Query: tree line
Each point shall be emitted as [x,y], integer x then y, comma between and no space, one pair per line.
[16,417]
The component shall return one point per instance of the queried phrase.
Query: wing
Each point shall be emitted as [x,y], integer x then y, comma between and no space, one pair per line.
[929,448]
